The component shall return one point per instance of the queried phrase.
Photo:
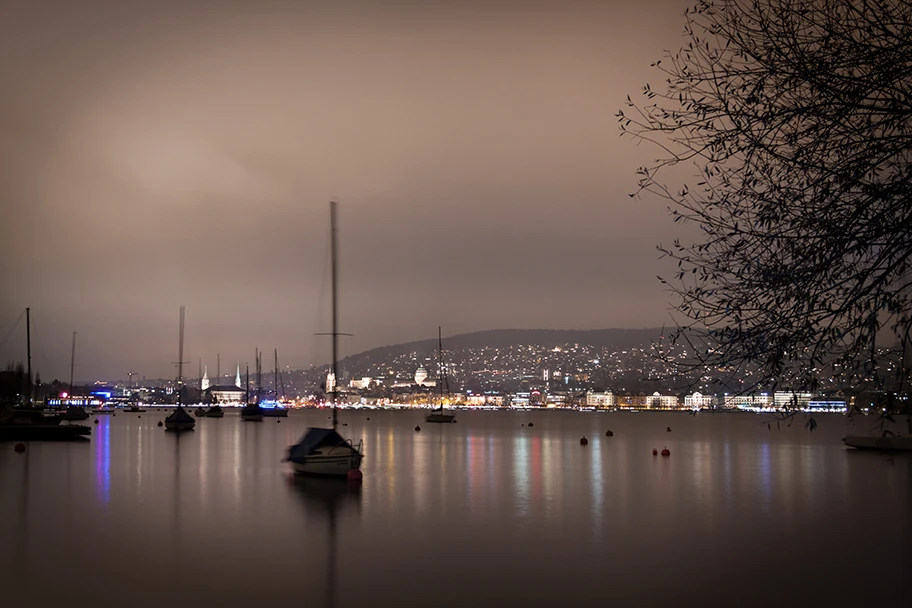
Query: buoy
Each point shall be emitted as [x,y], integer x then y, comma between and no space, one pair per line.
[278,421]
[368,417]
[523,425]
[609,433]
[355,475]
[344,424]
[666,452]
[530,424]
[584,441]
[113,415]
[417,429]
[20,447]
[96,421]
[668,429]
[655,452]
[139,416]
[160,423]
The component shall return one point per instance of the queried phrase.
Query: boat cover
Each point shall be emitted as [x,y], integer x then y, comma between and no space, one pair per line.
[179,415]
[314,438]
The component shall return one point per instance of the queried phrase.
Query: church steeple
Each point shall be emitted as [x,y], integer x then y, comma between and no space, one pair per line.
[204,384]
[237,379]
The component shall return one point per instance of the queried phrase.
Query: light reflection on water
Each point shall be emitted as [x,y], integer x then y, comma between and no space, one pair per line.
[495,507]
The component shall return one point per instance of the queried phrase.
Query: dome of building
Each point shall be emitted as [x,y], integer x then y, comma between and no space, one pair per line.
[420,375]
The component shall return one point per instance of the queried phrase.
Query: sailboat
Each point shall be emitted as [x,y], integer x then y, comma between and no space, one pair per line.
[74,412]
[439,415]
[251,412]
[180,420]
[274,408]
[324,451]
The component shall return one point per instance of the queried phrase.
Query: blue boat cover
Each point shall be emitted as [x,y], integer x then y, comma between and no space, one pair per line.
[314,438]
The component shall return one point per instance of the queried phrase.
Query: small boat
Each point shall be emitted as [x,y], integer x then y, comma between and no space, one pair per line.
[892,443]
[251,412]
[180,420]
[43,432]
[75,413]
[200,412]
[439,415]
[215,412]
[323,451]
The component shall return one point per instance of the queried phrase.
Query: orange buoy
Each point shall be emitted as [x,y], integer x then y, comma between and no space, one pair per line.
[609,433]
[355,475]
[20,447]
[655,452]
[666,452]
[417,429]
[584,441]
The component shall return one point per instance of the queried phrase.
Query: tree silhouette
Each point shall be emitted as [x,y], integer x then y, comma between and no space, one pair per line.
[797,116]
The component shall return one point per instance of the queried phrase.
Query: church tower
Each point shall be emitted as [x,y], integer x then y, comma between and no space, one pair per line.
[237,378]
[204,384]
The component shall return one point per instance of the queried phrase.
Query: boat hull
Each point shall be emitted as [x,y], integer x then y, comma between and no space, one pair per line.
[888,444]
[444,418]
[334,465]
[276,412]
[178,426]
[41,432]
[215,413]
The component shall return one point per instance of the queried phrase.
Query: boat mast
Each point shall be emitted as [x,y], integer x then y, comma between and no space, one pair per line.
[335,330]
[275,380]
[72,362]
[28,346]
[247,385]
[440,365]
[180,359]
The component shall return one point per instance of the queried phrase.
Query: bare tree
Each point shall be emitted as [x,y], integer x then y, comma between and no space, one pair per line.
[797,117]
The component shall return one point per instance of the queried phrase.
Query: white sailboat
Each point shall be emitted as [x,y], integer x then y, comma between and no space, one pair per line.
[180,420]
[323,451]
[439,415]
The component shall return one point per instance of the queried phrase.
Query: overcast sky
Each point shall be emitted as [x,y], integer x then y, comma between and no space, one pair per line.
[154,154]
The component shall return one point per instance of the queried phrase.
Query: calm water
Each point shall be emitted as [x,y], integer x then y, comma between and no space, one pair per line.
[484,512]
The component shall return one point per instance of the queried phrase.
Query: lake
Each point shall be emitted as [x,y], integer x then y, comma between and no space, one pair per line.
[486,512]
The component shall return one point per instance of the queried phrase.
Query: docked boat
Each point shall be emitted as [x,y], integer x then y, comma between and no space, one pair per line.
[440,414]
[75,414]
[274,408]
[215,412]
[200,412]
[323,451]
[180,419]
[251,412]
[890,443]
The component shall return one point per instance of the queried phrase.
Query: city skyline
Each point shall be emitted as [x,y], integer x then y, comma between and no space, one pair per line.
[472,147]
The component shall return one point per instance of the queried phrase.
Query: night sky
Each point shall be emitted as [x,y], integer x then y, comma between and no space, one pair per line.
[154,154]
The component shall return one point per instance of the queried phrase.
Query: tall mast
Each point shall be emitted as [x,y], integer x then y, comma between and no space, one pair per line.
[180,359]
[335,330]
[72,361]
[275,380]
[218,368]
[28,345]
[440,365]
[247,383]
[200,369]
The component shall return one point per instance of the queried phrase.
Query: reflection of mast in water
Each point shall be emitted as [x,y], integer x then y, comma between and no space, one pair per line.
[175,527]
[327,497]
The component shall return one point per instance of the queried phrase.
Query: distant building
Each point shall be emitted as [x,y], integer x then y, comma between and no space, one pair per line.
[596,399]
[227,395]
[699,401]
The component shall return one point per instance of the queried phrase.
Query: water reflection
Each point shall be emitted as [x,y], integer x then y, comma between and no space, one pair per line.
[521,473]
[103,462]
[327,500]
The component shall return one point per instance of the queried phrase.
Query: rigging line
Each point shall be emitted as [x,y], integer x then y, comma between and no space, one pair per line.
[12,329]
[43,352]
[320,302]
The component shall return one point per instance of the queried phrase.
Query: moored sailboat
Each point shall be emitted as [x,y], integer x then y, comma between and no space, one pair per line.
[323,451]
[180,419]
[439,414]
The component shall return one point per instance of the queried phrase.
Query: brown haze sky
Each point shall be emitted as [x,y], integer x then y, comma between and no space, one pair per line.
[154,154]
